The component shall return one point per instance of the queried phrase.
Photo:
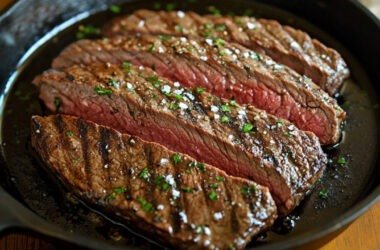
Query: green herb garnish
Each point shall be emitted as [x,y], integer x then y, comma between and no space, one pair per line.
[341,160]
[226,108]
[146,206]
[213,186]
[120,190]
[159,179]
[111,197]
[248,190]
[179,28]
[323,194]
[115,8]
[101,91]
[221,27]
[69,134]
[201,166]
[174,106]
[213,196]
[152,48]
[144,174]
[165,38]
[220,178]
[247,127]
[200,90]
[176,159]
[224,119]
[113,83]
[187,189]
[57,103]
[280,122]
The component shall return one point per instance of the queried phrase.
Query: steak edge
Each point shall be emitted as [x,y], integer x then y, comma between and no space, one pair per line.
[146,186]
[241,140]
[284,44]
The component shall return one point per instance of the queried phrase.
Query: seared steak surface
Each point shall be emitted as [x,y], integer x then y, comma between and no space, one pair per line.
[170,196]
[284,44]
[226,70]
[241,140]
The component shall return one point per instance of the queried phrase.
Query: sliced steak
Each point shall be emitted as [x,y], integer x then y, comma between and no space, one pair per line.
[284,44]
[167,195]
[241,140]
[226,70]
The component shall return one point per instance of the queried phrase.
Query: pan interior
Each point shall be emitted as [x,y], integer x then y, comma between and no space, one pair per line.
[345,184]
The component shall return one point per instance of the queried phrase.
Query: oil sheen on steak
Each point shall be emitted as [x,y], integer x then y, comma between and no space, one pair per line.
[241,140]
[165,195]
[226,70]
[284,44]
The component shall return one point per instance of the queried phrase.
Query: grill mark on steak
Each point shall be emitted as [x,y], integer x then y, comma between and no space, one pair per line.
[260,155]
[284,44]
[82,129]
[219,232]
[280,91]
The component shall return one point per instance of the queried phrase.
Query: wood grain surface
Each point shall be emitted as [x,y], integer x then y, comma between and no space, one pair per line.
[364,233]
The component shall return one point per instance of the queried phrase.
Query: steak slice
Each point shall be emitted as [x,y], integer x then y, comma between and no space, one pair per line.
[167,195]
[284,44]
[241,140]
[226,70]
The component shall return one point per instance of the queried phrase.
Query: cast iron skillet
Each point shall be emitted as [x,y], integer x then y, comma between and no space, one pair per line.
[34,32]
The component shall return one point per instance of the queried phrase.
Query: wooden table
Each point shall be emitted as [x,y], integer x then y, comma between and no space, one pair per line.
[364,233]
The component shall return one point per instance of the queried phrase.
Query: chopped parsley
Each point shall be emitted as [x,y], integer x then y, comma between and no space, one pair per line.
[213,10]
[190,49]
[164,38]
[341,160]
[288,135]
[120,190]
[280,122]
[187,171]
[233,103]
[176,159]
[213,186]
[188,190]
[221,27]
[247,128]
[224,119]
[200,90]
[179,97]
[115,8]
[146,206]
[174,106]
[86,31]
[220,178]
[113,83]
[209,26]
[159,179]
[226,108]
[192,164]
[179,28]
[144,174]
[152,48]
[201,166]
[239,21]
[248,190]
[57,103]
[222,53]
[323,194]
[101,91]
[166,186]
[213,196]
[77,159]
[207,33]
[170,6]
[110,197]
[69,134]
[127,65]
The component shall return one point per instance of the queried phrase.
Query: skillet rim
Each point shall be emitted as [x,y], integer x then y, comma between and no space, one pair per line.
[14,214]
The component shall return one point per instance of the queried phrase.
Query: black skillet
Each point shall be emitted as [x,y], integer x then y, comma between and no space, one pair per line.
[33,32]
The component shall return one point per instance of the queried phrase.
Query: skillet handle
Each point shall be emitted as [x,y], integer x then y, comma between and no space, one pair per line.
[9,210]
